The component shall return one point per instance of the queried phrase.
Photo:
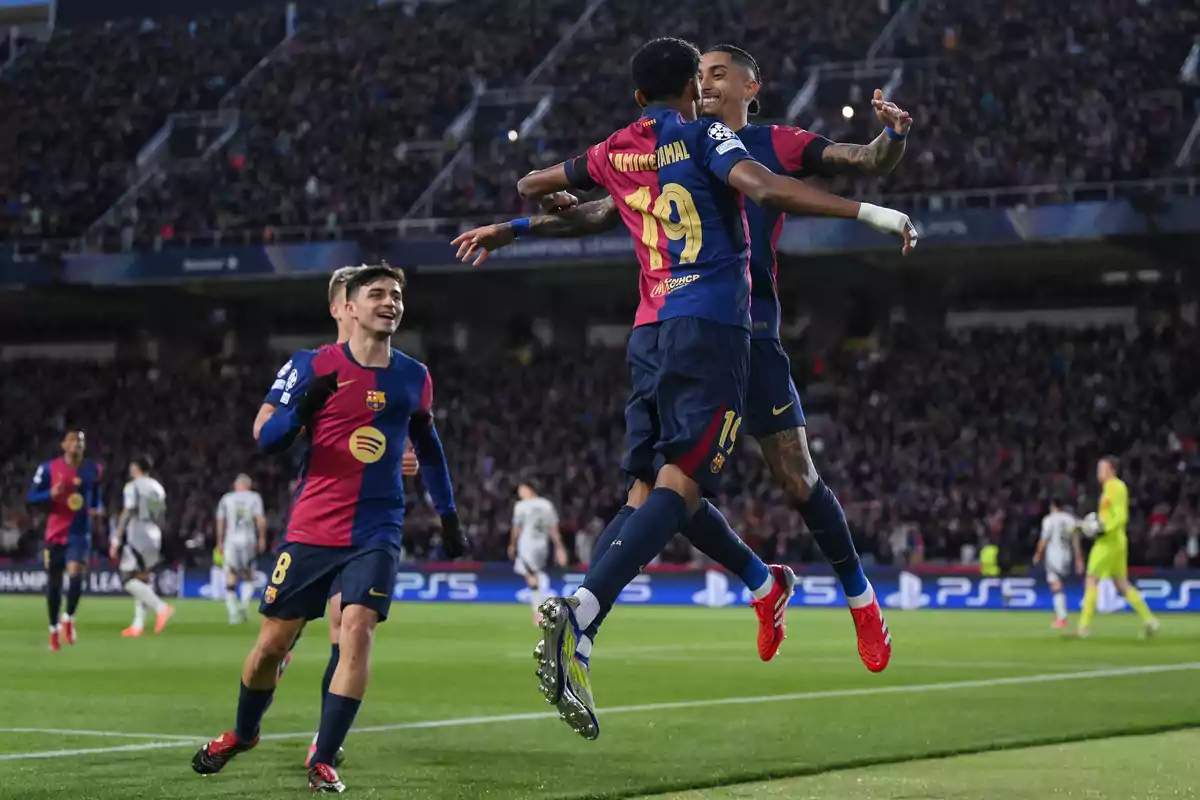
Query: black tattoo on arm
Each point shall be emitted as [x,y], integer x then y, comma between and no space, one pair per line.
[787,456]
[587,219]
[877,158]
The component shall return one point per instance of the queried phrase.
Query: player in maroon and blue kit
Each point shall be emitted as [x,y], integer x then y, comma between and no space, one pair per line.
[730,83]
[70,487]
[358,401]
[679,184]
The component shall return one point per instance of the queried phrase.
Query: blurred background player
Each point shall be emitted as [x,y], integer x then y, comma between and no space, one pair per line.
[534,530]
[681,182]
[137,544]
[241,536]
[1059,547]
[358,403]
[730,83]
[70,487]
[1110,552]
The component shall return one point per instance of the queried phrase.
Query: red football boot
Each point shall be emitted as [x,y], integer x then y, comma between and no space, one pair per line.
[771,611]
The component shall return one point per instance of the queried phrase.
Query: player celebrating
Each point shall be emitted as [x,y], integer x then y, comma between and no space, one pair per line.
[1059,542]
[358,402]
[337,310]
[730,85]
[534,529]
[138,545]
[70,486]
[241,536]
[677,180]
[1110,553]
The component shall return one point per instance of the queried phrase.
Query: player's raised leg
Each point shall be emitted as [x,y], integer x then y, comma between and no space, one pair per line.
[772,586]
[697,370]
[260,674]
[296,593]
[788,457]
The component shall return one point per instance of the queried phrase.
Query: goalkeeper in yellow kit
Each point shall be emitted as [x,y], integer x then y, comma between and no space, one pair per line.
[1110,553]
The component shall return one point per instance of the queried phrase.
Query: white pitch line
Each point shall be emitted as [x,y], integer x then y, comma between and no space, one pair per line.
[107,734]
[1018,680]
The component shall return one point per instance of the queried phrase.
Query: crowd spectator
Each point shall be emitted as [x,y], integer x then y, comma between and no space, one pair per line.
[936,444]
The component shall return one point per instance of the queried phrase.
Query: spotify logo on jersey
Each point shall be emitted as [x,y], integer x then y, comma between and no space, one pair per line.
[368,444]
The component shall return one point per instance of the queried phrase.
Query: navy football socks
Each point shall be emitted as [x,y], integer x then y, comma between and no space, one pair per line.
[335,655]
[709,531]
[252,704]
[643,536]
[74,591]
[336,719]
[54,596]
[824,516]
[610,535]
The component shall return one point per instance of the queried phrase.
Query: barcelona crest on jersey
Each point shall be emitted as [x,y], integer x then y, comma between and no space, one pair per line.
[376,400]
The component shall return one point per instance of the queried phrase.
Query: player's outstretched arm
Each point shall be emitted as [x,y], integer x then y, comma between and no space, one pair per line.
[880,156]
[543,182]
[589,219]
[795,197]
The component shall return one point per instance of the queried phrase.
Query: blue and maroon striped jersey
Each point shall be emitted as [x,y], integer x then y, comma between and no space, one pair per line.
[784,151]
[351,490]
[69,514]
[668,177]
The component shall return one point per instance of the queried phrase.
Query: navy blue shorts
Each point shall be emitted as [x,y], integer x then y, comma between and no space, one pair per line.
[689,382]
[772,402]
[57,556]
[300,583]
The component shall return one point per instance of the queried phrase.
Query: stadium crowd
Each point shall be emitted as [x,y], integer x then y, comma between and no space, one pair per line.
[79,108]
[345,124]
[936,444]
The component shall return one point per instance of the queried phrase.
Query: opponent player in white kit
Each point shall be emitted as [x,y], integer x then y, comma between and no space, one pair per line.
[1059,543]
[241,536]
[535,527]
[138,544]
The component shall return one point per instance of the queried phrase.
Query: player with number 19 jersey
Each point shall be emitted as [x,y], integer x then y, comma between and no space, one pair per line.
[688,354]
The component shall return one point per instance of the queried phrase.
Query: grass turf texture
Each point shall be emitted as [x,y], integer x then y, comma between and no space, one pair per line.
[958,682]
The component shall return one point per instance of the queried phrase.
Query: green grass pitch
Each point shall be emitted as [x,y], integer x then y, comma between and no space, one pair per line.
[686,707]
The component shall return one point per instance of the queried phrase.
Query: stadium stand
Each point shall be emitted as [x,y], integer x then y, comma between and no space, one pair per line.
[929,461]
[345,126]
[80,107]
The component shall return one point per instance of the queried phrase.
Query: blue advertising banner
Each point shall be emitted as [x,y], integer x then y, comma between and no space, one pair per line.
[188,263]
[1168,591]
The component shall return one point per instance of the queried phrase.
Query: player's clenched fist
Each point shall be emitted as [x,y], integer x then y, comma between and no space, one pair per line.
[454,541]
[318,394]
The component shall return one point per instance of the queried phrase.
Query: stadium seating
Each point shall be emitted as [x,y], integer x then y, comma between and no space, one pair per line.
[926,459]
[1005,94]
[78,109]
[323,125]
